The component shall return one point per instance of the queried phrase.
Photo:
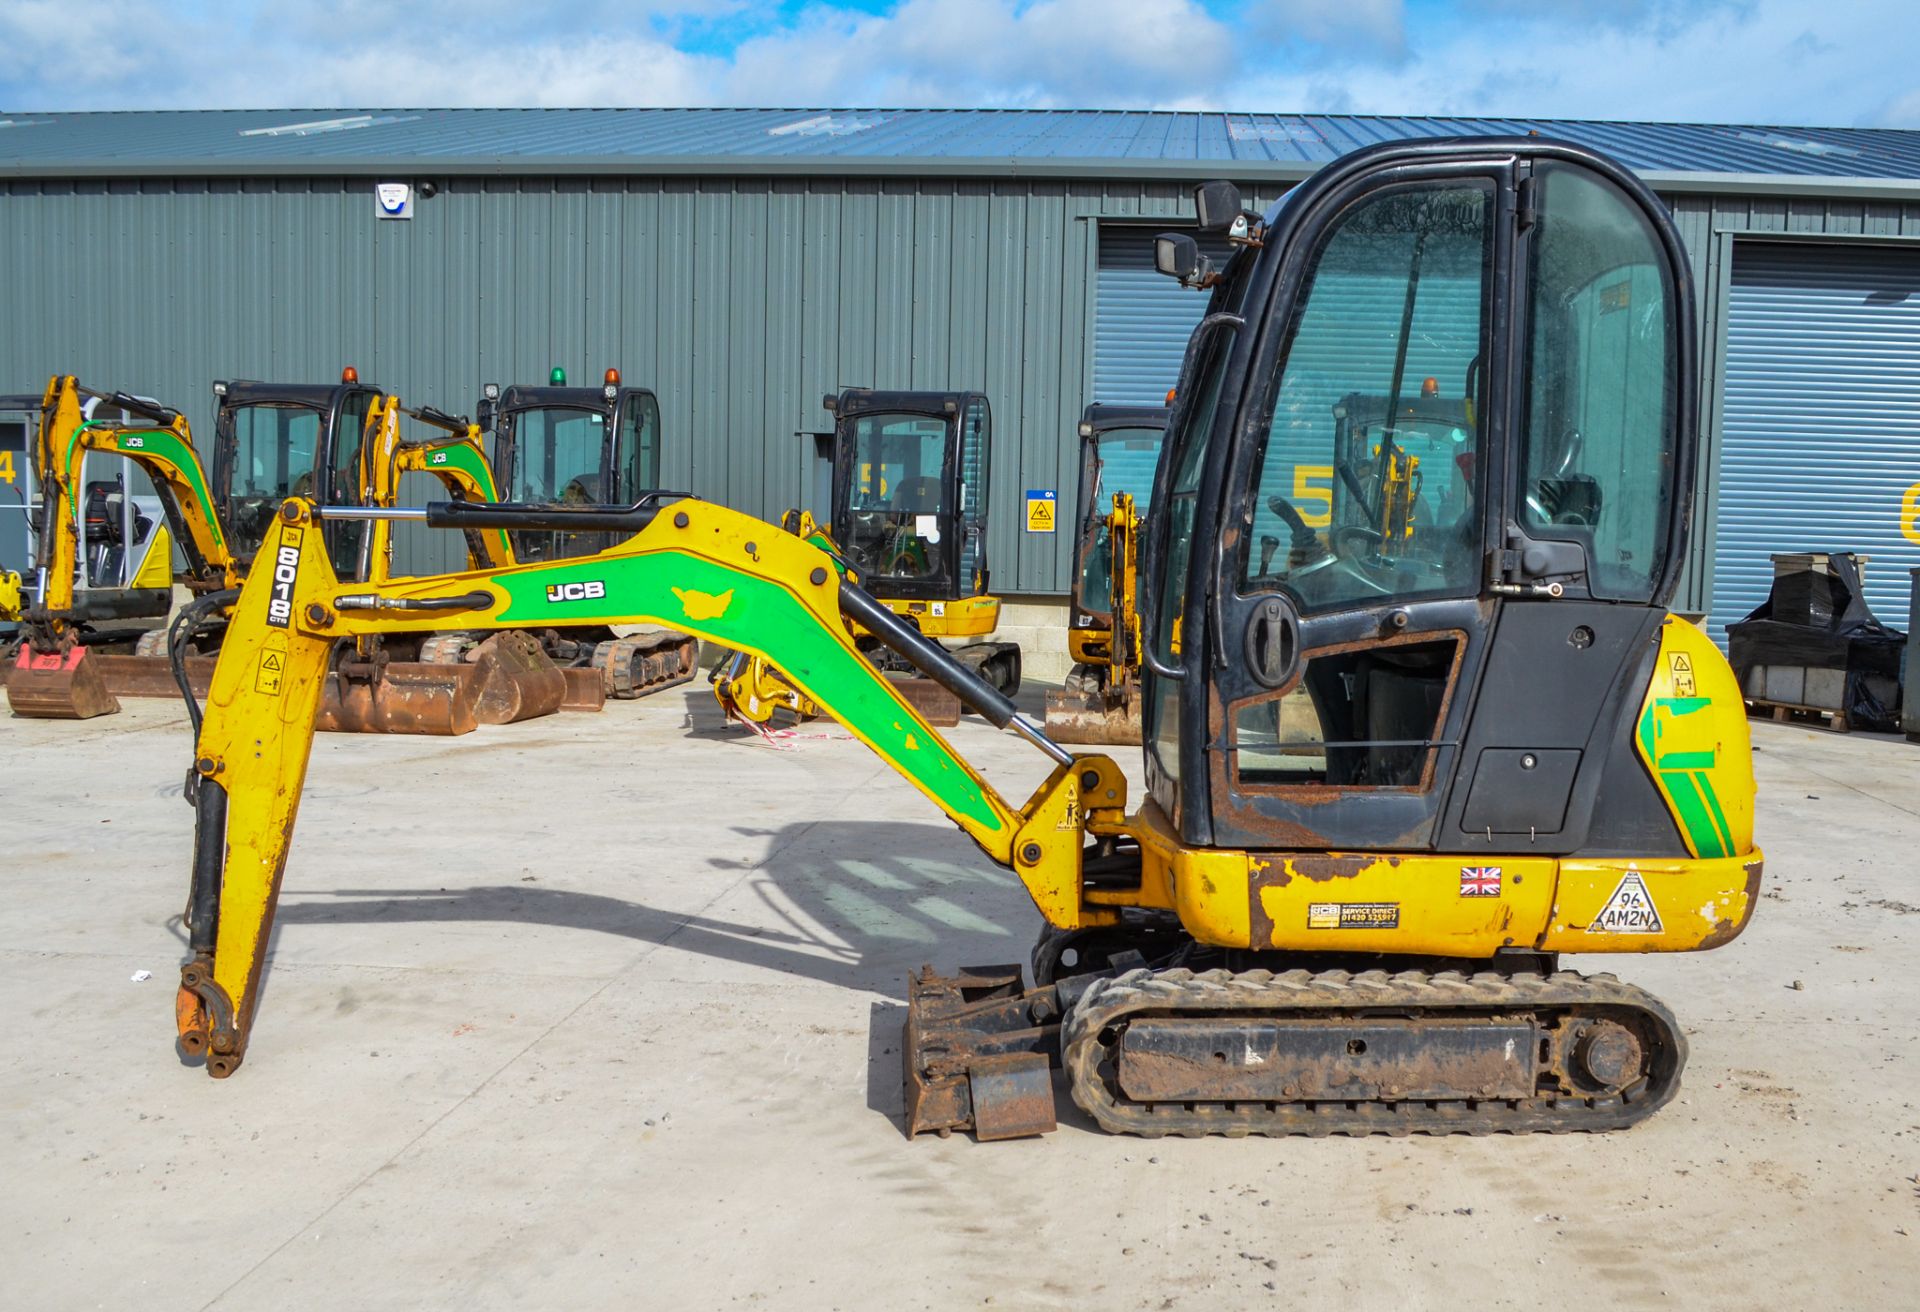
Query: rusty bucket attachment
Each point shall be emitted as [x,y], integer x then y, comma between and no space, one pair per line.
[646,661]
[1101,715]
[515,679]
[399,697]
[979,1053]
[58,685]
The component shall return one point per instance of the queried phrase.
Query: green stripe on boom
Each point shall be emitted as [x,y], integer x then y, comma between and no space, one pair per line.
[685,591]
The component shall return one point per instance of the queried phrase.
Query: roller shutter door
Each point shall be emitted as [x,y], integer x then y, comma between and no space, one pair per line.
[1141,319]
[1821,426]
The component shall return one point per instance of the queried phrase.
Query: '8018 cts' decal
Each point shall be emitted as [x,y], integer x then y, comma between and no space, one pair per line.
[286,569]
[591,590]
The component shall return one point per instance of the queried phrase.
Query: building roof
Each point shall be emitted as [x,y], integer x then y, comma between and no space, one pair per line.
[1029,142]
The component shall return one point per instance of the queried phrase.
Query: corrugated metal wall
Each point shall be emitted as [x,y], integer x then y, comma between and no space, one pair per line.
[740,301]
[1711,226]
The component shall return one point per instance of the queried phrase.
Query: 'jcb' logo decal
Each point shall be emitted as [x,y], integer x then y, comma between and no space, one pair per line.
[591,590]
[286,569]
[437,458]
[133,443]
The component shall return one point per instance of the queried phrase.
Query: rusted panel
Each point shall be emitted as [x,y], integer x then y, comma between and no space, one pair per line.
[1726,931]
[1255,1059]
[1012,1096]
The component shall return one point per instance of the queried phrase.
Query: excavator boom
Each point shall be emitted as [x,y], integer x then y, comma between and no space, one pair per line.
[698,567]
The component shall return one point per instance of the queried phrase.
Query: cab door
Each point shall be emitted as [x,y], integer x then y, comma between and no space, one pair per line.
[1352,625]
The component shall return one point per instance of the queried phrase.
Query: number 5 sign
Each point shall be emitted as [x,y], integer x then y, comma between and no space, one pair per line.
[1910,514]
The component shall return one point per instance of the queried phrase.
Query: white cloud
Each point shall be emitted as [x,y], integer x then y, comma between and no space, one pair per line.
[1792,61]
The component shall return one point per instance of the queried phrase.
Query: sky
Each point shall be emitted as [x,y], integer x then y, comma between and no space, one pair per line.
[1838,63]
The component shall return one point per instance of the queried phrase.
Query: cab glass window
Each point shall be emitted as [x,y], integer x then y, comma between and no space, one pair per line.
[1367,479]
[1121,460]
[556,455]
[639,454]
[898,497]
[274,448]
[1597,459]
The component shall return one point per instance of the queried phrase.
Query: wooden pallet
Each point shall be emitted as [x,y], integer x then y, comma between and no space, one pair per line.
[1816,717]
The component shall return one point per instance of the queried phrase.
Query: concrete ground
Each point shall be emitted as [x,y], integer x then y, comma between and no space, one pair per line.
[603,1011]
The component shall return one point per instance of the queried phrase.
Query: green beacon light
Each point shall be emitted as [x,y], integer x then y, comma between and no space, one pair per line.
[558,378]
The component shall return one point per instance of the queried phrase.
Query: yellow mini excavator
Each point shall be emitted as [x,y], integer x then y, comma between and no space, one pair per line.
[565,445]
[1392,778]
[909,525]
[1119,448]
[53,673]
[270,439]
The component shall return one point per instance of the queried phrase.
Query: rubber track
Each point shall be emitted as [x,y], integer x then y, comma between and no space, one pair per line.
[1110,1002]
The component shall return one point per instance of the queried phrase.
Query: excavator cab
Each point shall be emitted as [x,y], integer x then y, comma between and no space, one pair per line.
[1119,449]
[1425,499]
[563,446]
[277,440]
[570,446]
[1100,701]
[910,495]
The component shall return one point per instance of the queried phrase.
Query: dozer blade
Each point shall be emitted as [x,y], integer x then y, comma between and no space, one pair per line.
[1093,717]
[646,661]
[152,676]
[936,705]
[979,1054]
[514,680]
[408,697]
[586,689]
[58,686]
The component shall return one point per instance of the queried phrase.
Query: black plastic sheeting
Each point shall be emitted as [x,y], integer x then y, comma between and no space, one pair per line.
[1821,621]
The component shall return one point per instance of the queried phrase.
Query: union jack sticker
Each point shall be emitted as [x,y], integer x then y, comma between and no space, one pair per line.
[1479,881]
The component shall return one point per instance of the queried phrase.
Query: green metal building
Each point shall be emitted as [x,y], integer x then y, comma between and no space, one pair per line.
[744,262]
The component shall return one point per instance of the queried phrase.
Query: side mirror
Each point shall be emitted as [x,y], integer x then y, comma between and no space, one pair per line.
[830,402]
[1218,206]
[1177,256]
[484,415]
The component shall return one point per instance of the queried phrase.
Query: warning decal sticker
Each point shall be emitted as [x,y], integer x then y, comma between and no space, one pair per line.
[266,675]
[1040,504]
[1353,915]
[1680,666]
[1629,911]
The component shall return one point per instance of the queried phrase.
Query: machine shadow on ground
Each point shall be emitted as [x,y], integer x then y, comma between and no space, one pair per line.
[849,903]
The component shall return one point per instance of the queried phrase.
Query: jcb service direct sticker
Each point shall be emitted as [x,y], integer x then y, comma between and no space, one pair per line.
[1353,915]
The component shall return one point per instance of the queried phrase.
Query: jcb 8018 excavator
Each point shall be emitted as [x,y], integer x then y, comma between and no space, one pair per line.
[908,524]
[1391,778]
[567,446]
[1119,448]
